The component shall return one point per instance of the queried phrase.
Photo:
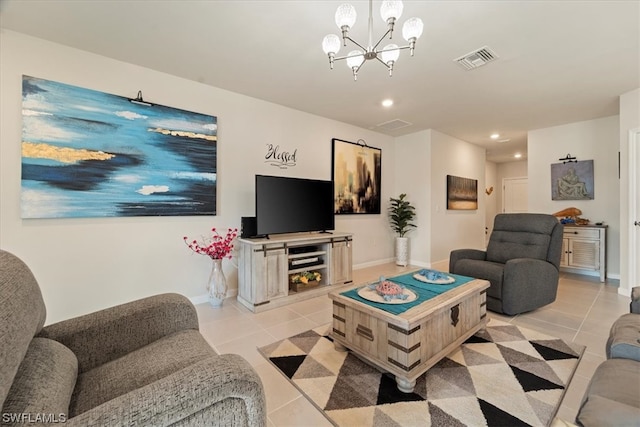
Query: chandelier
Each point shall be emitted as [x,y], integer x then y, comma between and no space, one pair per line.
[390,11]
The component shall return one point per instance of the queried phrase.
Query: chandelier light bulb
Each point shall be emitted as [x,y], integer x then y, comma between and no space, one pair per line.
[331,44]
[390,53]
[391,9]
[412,29]
[355,59]
[345,16]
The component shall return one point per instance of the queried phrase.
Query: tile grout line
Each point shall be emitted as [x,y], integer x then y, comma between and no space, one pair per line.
[584,319]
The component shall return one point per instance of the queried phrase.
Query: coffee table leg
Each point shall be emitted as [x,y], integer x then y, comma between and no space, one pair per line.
[339,347]
[405,385]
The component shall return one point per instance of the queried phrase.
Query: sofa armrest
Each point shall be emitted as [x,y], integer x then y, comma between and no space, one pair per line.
[528,284]
[624,338]
[459,254]
[105,335]
[185,398]
[634,307]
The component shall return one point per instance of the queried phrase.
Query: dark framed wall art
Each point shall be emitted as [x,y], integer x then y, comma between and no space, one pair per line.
[357,175]
[462,193]
[92,154]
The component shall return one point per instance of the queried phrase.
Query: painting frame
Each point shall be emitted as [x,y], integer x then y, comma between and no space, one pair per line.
[87,154]
[462,193]
[572,180]
[356,171]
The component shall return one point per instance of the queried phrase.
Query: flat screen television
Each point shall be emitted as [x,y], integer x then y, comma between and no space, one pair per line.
[293,205]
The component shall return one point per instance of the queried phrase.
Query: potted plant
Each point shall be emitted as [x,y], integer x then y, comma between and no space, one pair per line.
[401,213]
[305,280]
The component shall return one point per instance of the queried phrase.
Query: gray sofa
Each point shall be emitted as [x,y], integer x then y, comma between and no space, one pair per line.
[521,262]
[613,395]
[142,363]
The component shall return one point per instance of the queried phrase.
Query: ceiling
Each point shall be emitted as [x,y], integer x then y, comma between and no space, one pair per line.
[558,61]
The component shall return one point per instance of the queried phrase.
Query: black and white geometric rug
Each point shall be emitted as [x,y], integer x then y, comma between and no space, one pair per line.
[504,375]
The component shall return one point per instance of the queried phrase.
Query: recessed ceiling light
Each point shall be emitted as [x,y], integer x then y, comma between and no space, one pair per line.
[387,103]
[495,136]
[517,155]
[504,140]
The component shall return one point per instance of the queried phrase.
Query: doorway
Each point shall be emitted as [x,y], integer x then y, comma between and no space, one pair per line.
[515,195]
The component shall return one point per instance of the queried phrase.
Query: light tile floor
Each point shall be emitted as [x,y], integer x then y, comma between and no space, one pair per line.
[583,313]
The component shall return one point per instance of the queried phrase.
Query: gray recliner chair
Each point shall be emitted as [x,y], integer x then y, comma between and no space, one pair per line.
[143,363]
[522,262]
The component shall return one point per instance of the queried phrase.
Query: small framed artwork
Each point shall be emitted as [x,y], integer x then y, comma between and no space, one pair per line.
[357,175]
[572,180]
[462,193]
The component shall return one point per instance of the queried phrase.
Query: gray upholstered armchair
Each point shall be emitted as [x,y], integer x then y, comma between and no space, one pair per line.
[522,262]
[142,363]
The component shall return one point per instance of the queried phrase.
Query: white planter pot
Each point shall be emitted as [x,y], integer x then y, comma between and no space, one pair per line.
[402,251]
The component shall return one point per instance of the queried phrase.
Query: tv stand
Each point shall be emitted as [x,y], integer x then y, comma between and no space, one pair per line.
[268,265]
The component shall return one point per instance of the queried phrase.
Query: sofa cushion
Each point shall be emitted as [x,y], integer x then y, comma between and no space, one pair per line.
[44,382]
[602,412]
[624,338]
[613,396]
[138,369]
[491,271]
[22,315]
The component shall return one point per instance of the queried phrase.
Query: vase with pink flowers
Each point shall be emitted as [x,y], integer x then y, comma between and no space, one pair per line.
[217,247]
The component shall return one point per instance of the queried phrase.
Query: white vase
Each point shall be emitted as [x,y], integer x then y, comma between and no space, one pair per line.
[402,251]
[217,285]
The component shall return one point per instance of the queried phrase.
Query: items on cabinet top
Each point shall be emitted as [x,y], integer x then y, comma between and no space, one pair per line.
[571,216]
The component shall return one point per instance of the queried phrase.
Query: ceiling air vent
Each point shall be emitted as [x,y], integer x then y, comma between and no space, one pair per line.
[394,124]
[477,58]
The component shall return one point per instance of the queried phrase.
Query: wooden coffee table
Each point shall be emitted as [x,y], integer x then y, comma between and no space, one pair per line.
[408,344]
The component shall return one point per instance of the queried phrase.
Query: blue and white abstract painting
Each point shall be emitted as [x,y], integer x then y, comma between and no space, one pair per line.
[91,154]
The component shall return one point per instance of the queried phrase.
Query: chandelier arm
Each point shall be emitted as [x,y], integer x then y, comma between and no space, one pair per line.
[383,63]
[338,58]
[395,48]
[384,36]
[356,43]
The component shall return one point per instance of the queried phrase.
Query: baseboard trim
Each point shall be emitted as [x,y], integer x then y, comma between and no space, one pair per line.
[373,263]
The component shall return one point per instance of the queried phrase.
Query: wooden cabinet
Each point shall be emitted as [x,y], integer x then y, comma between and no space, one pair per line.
[584,250]
[340,259]
[266,266]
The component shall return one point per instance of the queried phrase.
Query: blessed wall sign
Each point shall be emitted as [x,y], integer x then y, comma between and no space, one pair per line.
[280,158]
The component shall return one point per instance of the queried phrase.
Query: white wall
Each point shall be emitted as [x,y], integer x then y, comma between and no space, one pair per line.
[629,120]
[454,229]
[87,264]
[596,140]
[413,177]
